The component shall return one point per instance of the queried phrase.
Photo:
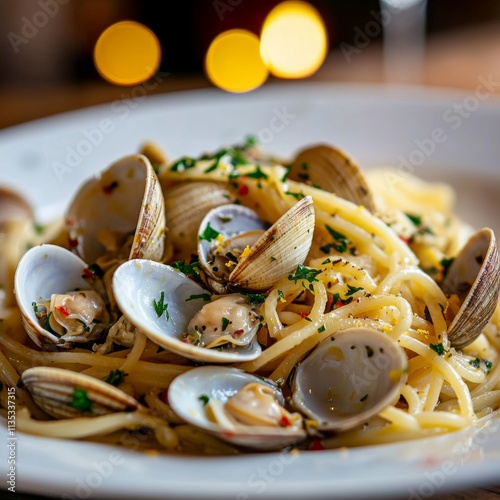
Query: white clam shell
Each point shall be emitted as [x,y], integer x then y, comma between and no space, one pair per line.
[42,271]
[475,276]
[138,282]
[221,383]
[125,198]
[348,378]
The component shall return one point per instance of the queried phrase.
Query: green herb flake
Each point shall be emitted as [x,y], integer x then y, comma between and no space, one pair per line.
[190,269]
[35,307]
[281,294]
[352,290]
[204,296]
[326,261]
[321,329]
[225,323]
[115,377]
[38,228]
[183,164]
[297,196]
[255,299]
[47,326]
[308,319]
[340,243]
[204,399]
[86,327]
[160,306]
[304,273]
[416,219]
[257,174]
[446,263]
[487,365]
[287,173]
[438,348]
[81,401]
[96,270]
[209,233]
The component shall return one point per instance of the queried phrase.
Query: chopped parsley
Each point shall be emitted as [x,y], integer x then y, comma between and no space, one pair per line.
[257,174]
[446,263]
[160,306]
[204,296]
[304,273]
[321,329]
[183,164]
[297,196]
[438,348]
[115,377]
[35,307]
[86,327]
[352,290]
[339,244]
[81,401]
[416,219]
[255,299]
[47,326]
[476,363]
[225,323]
[287,173]
[209,233]
[38,228]
[204,399]
[281,294]
[191,269]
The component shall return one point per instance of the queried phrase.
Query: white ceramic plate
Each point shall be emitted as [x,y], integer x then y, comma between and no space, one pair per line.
[409,128]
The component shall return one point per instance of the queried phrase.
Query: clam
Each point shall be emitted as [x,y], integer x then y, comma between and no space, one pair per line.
[237,407]
[172,310]
[183,224]
[348,378]
[66,394]
[236,250]
[13,207]
[75,311]
[474,280]
[124,199]
[333,171]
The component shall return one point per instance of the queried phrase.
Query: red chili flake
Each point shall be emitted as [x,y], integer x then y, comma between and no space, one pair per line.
[110,187]
[243,190]
[237,333]
[163,396]
[316,445]
[63,310]
[338,304]
[73,243]
[304,315]
[87,274]
[228,434]
[285,421]
[405,239]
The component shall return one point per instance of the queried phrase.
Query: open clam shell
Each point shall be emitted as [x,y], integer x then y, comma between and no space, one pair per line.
[190,393]
[42,271]
[271,254]
[66,394]
[474,276]
[138,283]
[126,198]
[348,378]
[332,170]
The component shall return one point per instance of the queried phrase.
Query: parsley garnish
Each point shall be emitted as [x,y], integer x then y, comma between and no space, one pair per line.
[257,174]
[209,233]
[38,228]
[321,329]
[190,269]
[352,290]
[96,270]
[304,273]
[446,263]
[416,219]
[255,299]
[183,164]
[281,294]
[81,401]
[115,377]
[297,196]
[86,328]
[225,323]
[160,306]
[204,296]
[287,173]
[47,326]
[476,363]
[438,348]
[35,307]
[340,244]
[204,399]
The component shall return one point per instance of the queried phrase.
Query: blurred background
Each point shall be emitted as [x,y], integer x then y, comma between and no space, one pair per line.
[59,55]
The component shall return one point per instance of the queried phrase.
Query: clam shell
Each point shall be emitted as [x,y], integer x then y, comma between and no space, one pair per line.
[278,251]
[53,390]
[125,198]
[42,271]
[332,170]
[475,276]
[137,283]
[13,207]
[348,378]
[221,383]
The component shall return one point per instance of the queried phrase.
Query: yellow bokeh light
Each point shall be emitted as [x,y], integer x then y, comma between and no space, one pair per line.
[127,53]
[294,41]
[233,61]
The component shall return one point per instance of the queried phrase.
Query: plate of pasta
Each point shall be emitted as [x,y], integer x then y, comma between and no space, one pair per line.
[287,293]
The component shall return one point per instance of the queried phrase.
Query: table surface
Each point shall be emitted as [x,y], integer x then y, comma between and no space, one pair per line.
[453,60]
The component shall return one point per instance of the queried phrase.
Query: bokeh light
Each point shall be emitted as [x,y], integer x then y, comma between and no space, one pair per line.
[127,53]
[294,40]
[233,61]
